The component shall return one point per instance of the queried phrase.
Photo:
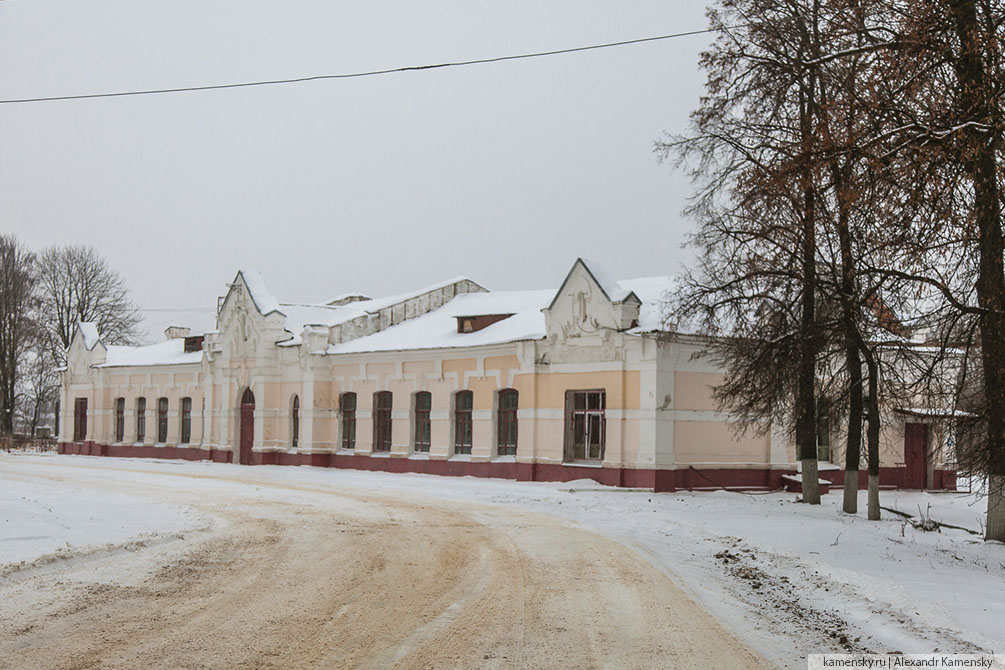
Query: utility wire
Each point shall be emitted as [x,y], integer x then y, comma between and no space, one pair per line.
[172,309]
[354,75]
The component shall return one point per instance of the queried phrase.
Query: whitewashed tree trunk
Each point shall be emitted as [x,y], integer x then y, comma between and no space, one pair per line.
[873,497]
[811,481]
[850,491]
[996,509]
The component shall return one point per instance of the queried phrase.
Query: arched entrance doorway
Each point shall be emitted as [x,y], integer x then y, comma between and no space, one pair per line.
[247,426]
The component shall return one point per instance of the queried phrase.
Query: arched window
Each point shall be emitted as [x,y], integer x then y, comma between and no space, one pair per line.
[141,419]
[186,421]
[463,401]
[162,420]
[295,420]
[120,419]
[248,398]
[382,421]
[347,407]
[509,400]
[423,403]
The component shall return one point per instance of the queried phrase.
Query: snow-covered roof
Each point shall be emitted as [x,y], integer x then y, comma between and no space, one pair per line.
[499,302]
[934,413]
[89,331]
[263,299]
[611,287]
[169,352]
[653,292]
[434,329]
[355,296]
[198,323]
[375,305]
[299,316]
[438,329]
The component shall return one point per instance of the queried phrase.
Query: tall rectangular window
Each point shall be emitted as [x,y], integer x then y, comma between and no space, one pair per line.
[463,401]
[162,420]
[120,419]
[186,421]
[141,419]
[382,421]
[509,400]
[295,421]
[347,405]
[585,425]
[79,419]
[423,403]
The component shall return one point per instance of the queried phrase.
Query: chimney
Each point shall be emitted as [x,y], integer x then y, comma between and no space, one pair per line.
[176,332]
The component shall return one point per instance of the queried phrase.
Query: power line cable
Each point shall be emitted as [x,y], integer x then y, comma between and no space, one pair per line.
[172,309]
[355,75]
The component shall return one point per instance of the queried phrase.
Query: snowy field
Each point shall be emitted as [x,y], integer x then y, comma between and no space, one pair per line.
[42,521]
[788,578]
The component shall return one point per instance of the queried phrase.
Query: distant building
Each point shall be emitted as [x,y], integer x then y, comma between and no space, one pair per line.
[451,379]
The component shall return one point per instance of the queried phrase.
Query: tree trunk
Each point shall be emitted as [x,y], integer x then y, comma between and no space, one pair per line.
[872,437]
[853,447]
[805,404]
[853,359]
[996,508]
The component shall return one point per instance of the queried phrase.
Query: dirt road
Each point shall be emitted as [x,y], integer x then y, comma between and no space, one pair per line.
[302,576]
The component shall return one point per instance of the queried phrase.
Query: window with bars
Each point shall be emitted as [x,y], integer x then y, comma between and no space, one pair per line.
[162,420]
[120,419]
[295,420]
[141,419]
[79,419]
[509,400]
[585,425]
[347,406]
[423,404]
[463,401]
[186,421]
[382,421]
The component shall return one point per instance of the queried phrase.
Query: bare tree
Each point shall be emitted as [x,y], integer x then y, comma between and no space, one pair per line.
[759,156]
[76,284]
[39,389]
[947,138]
[812,227]
[17,303]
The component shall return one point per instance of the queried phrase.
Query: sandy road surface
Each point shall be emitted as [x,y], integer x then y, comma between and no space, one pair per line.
[302,576]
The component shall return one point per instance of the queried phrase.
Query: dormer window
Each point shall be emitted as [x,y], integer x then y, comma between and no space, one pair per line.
[193,343]
[472,324]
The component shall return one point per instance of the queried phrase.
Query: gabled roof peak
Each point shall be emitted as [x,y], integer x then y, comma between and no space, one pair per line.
[89,331]
[609,286]
[265,302]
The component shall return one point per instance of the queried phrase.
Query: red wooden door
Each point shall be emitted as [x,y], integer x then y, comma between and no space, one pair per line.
[247,426]
[915,461]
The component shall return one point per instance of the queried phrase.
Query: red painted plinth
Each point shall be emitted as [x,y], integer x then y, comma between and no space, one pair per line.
[686,479]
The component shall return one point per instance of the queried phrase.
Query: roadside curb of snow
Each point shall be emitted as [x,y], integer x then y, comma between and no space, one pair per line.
[72,555]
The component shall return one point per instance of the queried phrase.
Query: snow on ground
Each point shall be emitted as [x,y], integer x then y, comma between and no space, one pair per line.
[791,579]
[56,520]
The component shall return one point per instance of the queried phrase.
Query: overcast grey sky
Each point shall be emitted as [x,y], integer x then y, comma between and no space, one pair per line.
[502,172]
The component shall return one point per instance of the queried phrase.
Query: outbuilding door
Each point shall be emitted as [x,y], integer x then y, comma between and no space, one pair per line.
[247,438]
[915,455]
